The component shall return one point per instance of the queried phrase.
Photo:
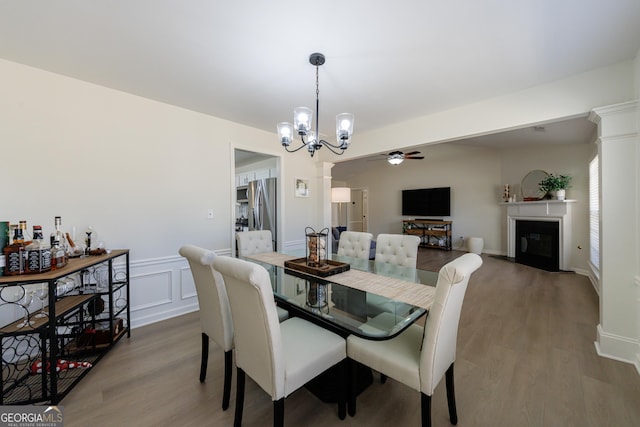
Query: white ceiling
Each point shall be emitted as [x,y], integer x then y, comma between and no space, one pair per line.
[247,61]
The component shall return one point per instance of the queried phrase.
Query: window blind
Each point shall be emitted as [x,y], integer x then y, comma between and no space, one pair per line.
[594,213]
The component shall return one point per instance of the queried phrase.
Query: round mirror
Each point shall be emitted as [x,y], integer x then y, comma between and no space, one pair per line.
[530,187]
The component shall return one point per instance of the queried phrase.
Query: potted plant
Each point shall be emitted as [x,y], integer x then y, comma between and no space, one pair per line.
[555,185]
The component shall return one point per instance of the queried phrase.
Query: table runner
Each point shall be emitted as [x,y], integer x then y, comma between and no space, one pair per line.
[400,290]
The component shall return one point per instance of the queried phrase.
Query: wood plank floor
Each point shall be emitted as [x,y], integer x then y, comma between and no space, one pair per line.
[525,358]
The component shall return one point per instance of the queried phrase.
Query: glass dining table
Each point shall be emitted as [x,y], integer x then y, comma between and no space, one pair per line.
[371,300]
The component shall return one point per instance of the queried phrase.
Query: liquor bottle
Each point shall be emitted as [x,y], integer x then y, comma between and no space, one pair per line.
[25,234]
[4,241]
[16,255]
[59,248]
[38,253]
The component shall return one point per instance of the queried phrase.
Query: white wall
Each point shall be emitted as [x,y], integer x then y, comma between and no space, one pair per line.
[141,172]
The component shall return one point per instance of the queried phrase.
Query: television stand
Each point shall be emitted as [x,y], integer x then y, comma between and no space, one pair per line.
[433,233]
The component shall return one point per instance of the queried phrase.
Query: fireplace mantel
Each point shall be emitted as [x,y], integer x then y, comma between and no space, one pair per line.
[542,210]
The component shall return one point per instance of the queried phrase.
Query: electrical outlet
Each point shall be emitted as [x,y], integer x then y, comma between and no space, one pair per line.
[210,214]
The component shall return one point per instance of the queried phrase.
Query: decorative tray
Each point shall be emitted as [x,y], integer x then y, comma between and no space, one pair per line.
[329,269]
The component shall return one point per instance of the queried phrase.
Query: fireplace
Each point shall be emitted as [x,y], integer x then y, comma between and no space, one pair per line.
[539,233]
[538,244]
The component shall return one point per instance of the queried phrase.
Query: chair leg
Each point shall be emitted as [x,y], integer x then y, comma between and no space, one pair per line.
[352,388]
[228,371]
[278,413]
[342,398]
[451,396]
[237,420]
[205,357]
[425,404]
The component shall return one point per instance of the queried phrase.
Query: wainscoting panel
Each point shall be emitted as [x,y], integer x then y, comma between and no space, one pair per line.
[150,290]
[187,285]
[162,288]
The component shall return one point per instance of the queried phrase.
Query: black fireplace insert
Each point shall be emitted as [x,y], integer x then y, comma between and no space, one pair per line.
[538,244]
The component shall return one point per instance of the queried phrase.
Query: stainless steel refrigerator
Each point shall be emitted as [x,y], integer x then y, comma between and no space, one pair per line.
[262,206]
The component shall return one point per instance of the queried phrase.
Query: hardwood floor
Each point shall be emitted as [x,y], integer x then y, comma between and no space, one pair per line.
[525,358]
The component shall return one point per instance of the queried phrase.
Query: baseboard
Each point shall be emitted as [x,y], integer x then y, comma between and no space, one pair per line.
[139,321]
[616,347]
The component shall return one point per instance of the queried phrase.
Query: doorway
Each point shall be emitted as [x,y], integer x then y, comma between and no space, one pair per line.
[358,210]
[255,192]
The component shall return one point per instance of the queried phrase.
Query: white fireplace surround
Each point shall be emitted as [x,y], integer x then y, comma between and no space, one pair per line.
[543,210]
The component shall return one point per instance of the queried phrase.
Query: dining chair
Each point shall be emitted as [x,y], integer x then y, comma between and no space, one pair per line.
[254,242]
[215,313]
[355,244]
[419,357]
[280,358]
[396,256]
[398,249]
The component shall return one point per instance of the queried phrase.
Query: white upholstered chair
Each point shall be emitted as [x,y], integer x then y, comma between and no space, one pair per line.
[419,357]
[397,249]
[280,358]
[254,242]
[215,313]
[355,244]
[396,256]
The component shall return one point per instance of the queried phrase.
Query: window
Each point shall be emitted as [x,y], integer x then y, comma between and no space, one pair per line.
[594,213]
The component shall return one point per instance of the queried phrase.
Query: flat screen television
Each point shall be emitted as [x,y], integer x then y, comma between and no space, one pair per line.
[428,202]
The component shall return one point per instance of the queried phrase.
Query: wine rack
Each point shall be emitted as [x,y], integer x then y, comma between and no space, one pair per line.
[48,346]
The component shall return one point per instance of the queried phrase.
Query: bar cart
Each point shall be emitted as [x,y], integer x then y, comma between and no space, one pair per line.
[47,348]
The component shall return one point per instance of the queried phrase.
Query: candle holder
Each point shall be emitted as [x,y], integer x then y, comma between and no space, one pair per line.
[316,247]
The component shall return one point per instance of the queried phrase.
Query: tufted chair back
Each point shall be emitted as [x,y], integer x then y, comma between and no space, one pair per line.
[254,242]
[398,249]
[355,244]
[441,328]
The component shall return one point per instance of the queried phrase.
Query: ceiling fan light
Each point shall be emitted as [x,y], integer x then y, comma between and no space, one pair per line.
[395,160]
[302,120]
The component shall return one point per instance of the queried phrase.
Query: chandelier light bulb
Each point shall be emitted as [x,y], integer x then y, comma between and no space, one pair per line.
[285,133]
[302,120]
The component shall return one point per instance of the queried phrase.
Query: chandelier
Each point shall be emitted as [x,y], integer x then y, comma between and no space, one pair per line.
[302,120]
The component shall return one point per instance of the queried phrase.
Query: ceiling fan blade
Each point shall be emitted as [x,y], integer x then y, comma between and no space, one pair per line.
[415,158]
[411,153]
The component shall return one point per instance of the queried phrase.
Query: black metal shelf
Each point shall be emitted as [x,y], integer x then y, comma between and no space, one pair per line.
[70,314]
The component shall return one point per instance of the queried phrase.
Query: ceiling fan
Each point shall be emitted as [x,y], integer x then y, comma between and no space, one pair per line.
[397,157]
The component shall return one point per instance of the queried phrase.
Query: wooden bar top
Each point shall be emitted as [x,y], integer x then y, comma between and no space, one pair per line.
[74,265]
